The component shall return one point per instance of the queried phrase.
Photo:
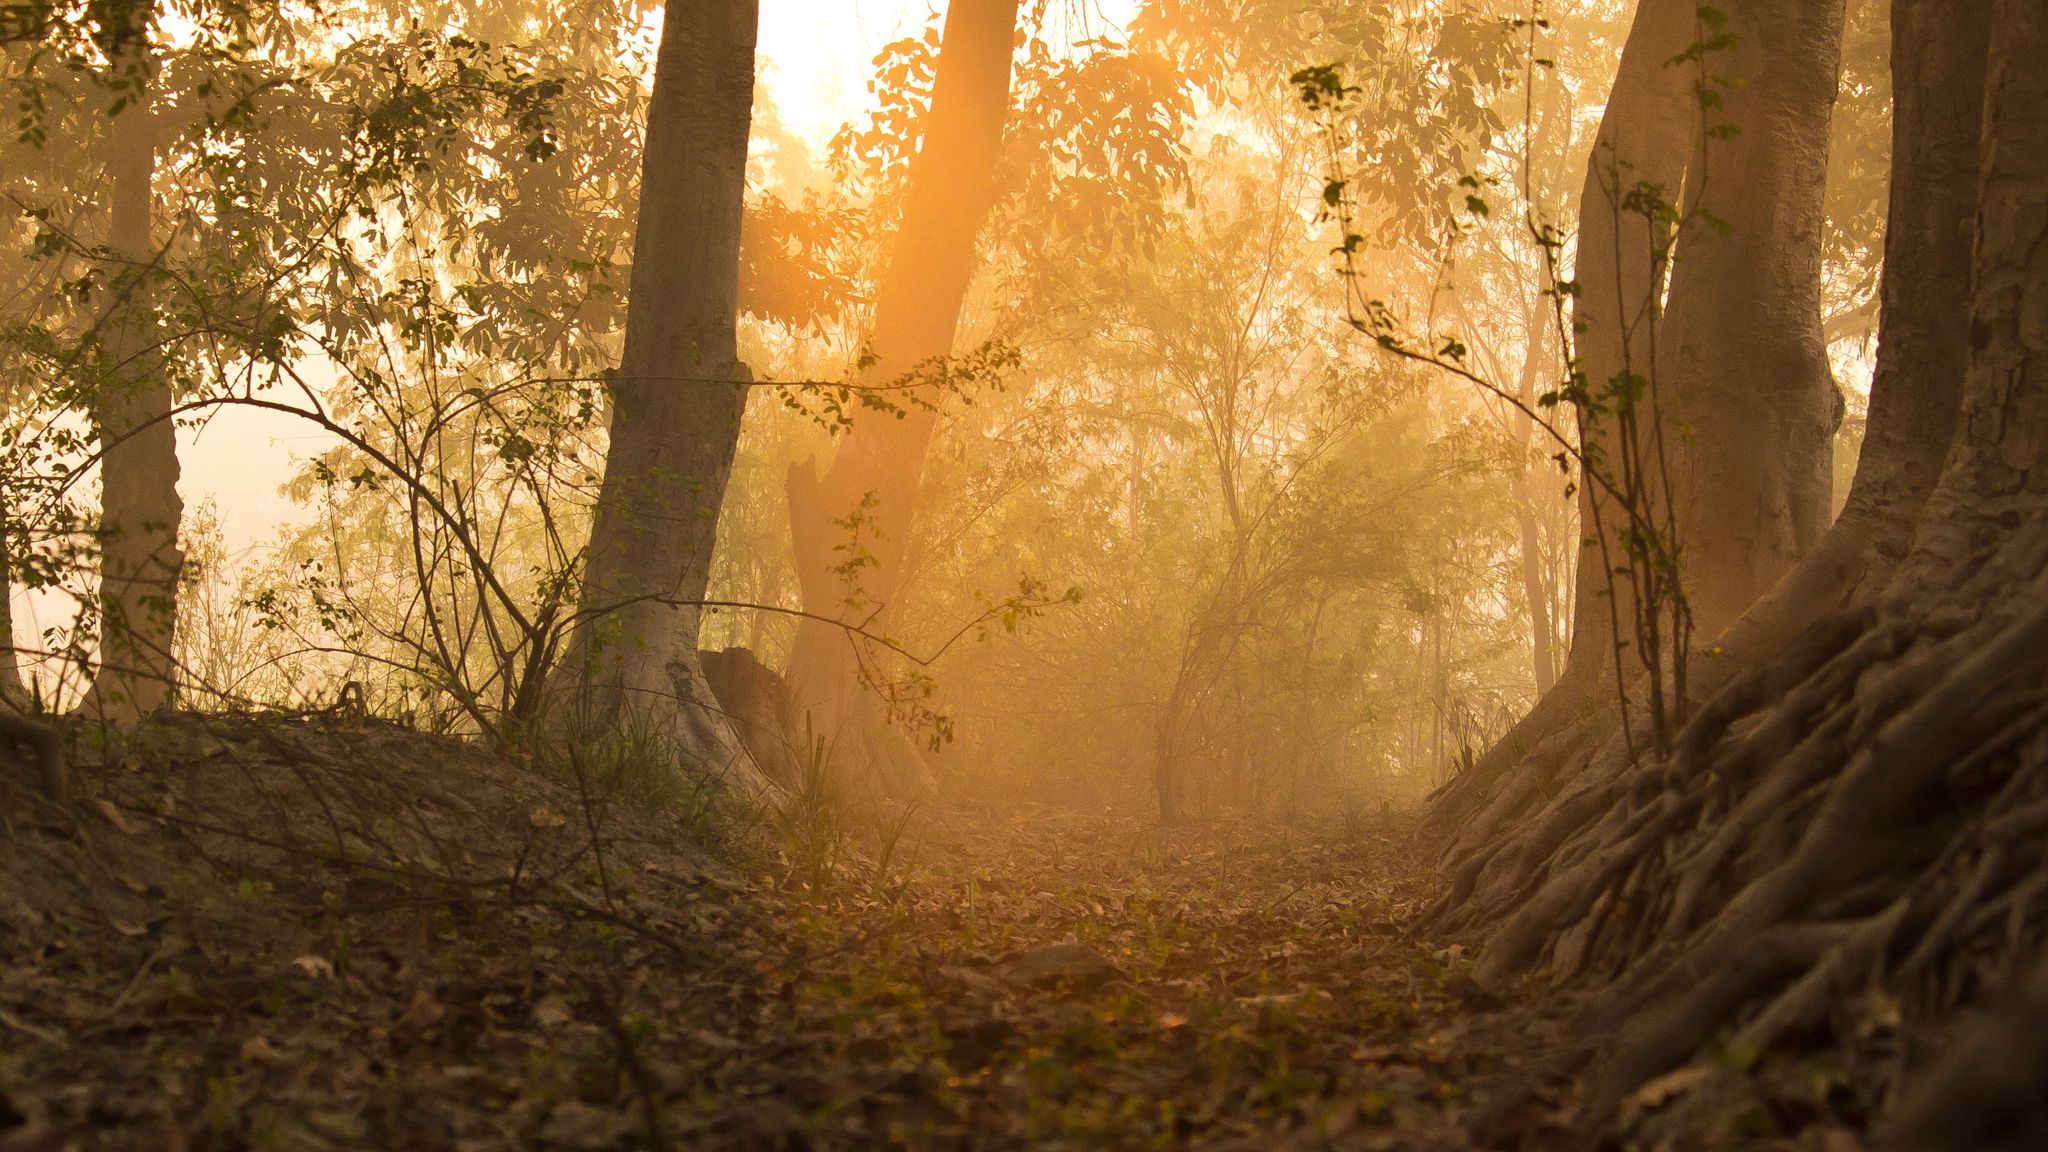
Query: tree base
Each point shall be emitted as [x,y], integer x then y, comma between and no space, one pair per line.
[1848,845]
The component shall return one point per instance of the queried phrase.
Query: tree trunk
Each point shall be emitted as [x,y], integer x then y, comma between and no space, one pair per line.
[1915,394]
[1745,352]
[1997,472]
[1536,584]
[1923,328]
[1620,266]
[873,478]
[140,509]
[677,399]
[1739,386]
[14,691]
[1645,138]
[1856,817]
[1960,695]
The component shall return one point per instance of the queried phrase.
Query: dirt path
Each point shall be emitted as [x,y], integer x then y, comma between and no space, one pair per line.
[329,939]
[1232,985]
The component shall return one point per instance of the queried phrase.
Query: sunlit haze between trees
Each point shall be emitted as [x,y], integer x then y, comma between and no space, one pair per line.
[1362,575]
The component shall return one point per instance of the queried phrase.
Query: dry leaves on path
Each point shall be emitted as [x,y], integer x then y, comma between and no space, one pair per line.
[346,936]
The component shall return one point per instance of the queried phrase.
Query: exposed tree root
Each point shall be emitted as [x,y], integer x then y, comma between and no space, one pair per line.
[1984,1094]
[1555,730]
[1862,816]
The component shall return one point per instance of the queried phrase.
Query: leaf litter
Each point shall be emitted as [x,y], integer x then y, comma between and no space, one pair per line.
[337,934]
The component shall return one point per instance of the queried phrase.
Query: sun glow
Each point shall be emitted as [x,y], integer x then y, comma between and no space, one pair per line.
[814,57]
[815,53]
[813,64]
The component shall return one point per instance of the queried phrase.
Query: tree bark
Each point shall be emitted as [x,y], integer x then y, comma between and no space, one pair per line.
[873,477]
[1997,472]
[1923,330]
[1922,358]
[1739,384]
[1891,803]
[1646,135]
[1985,1093]
[1857,812]
[677,399]
[1746,356]
[140,510]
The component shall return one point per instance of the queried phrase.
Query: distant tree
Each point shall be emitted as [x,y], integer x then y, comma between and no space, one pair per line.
[851,523]
[116,369]
[370,226]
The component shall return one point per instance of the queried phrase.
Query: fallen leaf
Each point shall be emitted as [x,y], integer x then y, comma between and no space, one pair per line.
[1835,1140]
[1059,963]
[106,808]
[419,1016]
[712,1039]
[1663,1090]
[552,1012]
[577,1125]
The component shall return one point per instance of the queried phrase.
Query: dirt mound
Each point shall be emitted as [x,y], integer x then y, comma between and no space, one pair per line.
[341,935]
[333,934]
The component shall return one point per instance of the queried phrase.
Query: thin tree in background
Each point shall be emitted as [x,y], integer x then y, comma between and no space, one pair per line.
[851,523]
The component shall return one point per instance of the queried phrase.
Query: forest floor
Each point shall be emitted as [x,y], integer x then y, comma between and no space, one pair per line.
[335,935]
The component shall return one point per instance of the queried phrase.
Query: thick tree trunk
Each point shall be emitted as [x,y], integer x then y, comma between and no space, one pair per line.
[1965,603]
[1997,472]
[1646,136]
[873,477]
[1739,384]
[1923,331]
[1858,813]
[1743,340]
[677,399]
[1620,267]
[140,509]
[1914,399]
